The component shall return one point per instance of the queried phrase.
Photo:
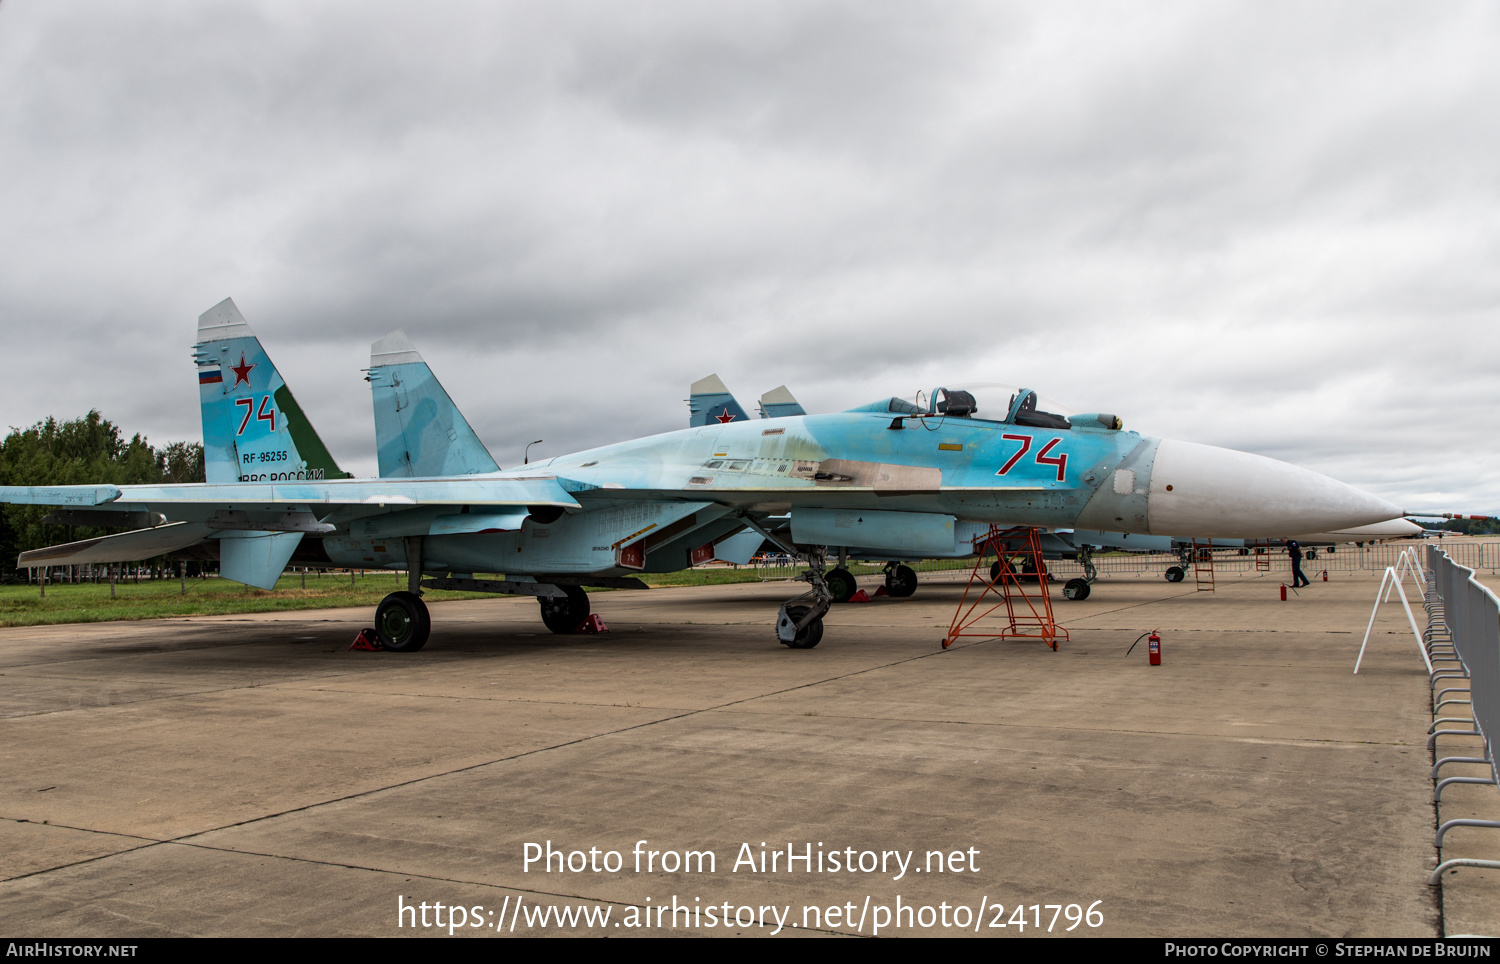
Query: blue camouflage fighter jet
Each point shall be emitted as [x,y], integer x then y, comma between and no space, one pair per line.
[898,479]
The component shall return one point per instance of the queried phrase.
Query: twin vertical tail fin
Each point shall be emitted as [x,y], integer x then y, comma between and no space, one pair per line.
[710,403]
[253,429]
[779,403]
[419,432]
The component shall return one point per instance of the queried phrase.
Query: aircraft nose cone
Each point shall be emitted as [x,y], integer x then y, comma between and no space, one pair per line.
[1208,491]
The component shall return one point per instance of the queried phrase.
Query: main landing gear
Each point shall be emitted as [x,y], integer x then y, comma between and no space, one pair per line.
[402,622]
[841,584]
[564,614]
[900,581]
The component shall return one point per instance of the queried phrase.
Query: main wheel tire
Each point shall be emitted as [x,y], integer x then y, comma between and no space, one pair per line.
[810,635]
[1312,553]
[995,571]
[841,584]
[1175,574]
[901,582]
[402,622]
[1076,589]
[563,614]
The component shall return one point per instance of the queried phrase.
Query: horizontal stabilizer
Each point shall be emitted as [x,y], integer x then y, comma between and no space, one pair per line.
[256,558]
[419,432]
[371,492]
[779,403]
[709,403]
[121,547]
[105,518]
[65,495]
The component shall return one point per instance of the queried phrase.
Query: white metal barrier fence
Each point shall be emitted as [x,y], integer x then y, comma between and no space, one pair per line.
[1463,646]
[1345,558]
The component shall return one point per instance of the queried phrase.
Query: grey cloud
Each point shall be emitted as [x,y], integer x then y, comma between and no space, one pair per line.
[1261,225]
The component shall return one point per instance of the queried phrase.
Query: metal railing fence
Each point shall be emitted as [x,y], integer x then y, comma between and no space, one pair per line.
[1346,558]
[1464,621]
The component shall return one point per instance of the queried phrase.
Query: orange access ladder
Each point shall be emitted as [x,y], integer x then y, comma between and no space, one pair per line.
[1262,552]
[1027,612]
[1203,564]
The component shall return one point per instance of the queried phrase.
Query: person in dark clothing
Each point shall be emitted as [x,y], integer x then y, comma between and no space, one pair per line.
[1298,579]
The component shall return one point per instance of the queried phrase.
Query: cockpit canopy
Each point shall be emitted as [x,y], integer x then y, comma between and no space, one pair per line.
[1003,404]
[1022,407]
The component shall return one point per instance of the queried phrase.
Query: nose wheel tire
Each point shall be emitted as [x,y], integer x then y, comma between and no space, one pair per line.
[1175,574]
[810,635]
[563,614]
[901,582]
[402,622]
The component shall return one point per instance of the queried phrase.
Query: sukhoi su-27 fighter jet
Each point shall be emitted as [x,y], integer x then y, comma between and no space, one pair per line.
[892,477]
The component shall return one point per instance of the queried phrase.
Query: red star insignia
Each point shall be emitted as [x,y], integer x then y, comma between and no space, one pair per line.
[241,372]
[726,418]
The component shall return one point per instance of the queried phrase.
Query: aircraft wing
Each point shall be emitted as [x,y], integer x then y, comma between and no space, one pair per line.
[140,544]
[259,525]
[538,490]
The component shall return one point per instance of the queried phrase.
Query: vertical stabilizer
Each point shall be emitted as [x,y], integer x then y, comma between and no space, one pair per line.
[253,429]
[709,403]
[779,403]
[419,432]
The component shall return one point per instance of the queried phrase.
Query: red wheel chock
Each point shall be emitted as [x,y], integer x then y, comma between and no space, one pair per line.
[860,596]
[367,642]
[593,624]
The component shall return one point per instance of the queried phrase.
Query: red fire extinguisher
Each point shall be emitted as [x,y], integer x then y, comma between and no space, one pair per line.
[1283,592]
[1153,646]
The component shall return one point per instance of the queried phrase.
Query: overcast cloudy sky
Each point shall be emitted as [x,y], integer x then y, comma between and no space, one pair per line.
[1269,226]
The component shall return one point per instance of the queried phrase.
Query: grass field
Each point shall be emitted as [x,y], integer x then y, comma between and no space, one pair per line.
[23,605]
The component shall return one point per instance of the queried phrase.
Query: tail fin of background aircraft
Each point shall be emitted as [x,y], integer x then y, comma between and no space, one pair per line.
[253,429]
[710,403]
[779,403]
[419,432]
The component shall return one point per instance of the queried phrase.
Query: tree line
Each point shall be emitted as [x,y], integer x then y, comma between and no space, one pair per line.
[1472,527]
[87,450]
